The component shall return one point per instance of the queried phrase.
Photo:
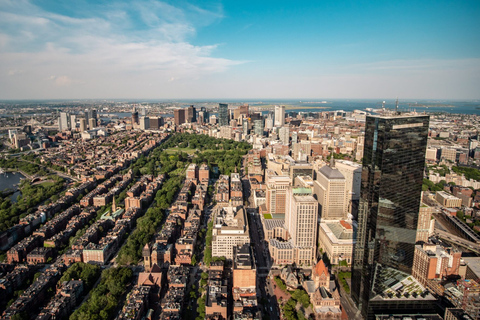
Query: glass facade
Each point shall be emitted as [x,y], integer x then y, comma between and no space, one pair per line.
[392,174]
[223,114]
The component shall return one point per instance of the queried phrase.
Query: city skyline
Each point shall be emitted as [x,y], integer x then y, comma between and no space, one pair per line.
[162,50]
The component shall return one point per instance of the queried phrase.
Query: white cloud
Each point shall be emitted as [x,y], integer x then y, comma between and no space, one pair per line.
[101,54]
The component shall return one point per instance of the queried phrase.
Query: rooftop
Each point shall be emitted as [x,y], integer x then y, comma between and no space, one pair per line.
[393,284]
[331,173]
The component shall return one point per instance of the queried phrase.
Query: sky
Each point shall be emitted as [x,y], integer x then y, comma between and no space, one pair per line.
[109,49]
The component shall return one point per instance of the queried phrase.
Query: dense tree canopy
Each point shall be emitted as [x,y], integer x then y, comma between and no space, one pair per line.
[105,297]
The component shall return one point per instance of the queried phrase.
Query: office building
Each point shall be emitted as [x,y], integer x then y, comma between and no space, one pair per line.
[284,135]
[301,222]
[336,238]
[353,178]
[276,193]
[258,124]
[203,115]
[435,260]
[448,200]
[230,229]
[223,114]
[73,122]
[191,114]
[179,115]
[134,117]
[156,122]
[240,112]
[92,113]
[392,176]
[83,124]
[144,123]
[330,190]
[424,223]
[279,116]
[63,121]
[92,123]
[20,139]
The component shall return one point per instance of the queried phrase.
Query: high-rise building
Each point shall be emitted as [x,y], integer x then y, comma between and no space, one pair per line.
[424,223]
[392,175]
[223,114]
[284,135]
[276,193]
[63,121]
[301,222]
[230,229]
[279,116]
[92,123]
[134,117]
[155,123]
[435,261]
[330,192]
[353,177]
[240,112]
[73,122]
[179,115]
[145,123]
[191,114]
[83,124]
[92,114]
[258,124]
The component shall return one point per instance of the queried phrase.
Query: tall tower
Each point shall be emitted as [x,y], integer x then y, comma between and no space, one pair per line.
[223,114]
[179,116]
[191,114]
[330,189]
[134,117]
[279,116]
[392,174]
[276,193]
[301,221]
[63,121]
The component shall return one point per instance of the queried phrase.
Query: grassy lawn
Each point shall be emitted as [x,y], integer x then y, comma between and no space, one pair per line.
[341,278]
[267,216]
[176,150]
[47,184]
[177,172]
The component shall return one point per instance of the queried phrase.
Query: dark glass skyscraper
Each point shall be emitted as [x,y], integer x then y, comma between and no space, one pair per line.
[223,114]
[392,175]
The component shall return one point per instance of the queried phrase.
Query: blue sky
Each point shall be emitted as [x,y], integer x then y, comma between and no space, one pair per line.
[239,49]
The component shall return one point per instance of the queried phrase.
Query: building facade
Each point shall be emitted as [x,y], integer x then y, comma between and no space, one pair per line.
[223,114]
[392,175]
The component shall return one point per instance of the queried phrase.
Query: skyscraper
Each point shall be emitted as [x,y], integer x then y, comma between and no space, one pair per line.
[301,221]
[179,115]
[258,127]
[191,114]
[73,122]
[63,121]
[92,114]
[330,189]
[223,114]
[392,174]
[279,116]
[83,124]
[134,117]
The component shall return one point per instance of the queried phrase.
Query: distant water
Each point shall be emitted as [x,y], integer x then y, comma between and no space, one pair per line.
[463,107]
[9,180]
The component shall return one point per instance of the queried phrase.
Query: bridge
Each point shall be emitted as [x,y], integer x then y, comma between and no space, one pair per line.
[472,246]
